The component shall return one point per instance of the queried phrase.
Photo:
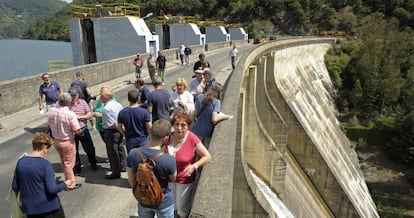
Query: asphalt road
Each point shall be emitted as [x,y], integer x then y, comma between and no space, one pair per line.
[98,197]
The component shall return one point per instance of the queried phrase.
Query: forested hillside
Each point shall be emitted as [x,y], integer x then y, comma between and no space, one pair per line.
[292,17]
[17,15]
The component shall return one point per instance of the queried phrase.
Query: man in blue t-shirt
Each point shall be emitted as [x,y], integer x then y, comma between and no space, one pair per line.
[51,90]
[143,92]
[135,122]
[159,101]
[84,88]
[165,170]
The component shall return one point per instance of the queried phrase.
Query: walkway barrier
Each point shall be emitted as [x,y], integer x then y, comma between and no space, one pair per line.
[22,93]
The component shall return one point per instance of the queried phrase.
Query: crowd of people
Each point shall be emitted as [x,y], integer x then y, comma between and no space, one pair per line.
[177,122]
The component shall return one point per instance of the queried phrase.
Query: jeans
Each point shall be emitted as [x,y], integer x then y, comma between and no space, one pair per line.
[146,212]
[138,72]
[233,62]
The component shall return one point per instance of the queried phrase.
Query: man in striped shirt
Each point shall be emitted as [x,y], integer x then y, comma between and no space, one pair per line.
[64,125]
[83,113]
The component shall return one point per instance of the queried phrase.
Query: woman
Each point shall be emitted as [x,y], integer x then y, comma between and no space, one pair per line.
[208,113]
[35,179]
[185,146]
[183,99]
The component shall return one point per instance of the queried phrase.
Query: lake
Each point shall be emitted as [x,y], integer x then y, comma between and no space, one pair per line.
[20,58]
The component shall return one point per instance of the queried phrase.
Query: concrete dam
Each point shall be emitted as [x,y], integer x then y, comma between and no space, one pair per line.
[287,135]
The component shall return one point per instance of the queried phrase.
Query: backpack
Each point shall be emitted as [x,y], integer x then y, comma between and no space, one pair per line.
[78,85]
[147,190]
[187,51]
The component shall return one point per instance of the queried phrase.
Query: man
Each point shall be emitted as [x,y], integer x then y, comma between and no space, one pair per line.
[151,64]
[187,52]
[84,90]
[143,92]
[159,102]
[64,125]
[233,55]
[138,63]
[181,53]
[83,113]
[201,63]
[134,122]
[197,84]
[161,65]
[83,87]
[165,170]
[51,90]
[112,136]
[209,80]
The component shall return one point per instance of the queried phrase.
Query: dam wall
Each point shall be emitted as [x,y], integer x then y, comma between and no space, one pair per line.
[287,135]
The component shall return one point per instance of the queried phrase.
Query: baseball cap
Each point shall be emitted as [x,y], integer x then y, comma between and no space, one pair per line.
[208,73]
[199,71]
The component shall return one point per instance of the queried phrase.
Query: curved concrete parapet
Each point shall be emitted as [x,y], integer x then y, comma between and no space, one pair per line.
[287,135]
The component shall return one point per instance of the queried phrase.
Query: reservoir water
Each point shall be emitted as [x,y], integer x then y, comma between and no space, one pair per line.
[20,58]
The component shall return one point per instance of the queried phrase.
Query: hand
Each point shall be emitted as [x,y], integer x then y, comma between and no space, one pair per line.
[189,170]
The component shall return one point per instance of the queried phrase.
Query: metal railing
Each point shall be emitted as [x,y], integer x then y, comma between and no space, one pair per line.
[169,19]
[104,10]
[59,64]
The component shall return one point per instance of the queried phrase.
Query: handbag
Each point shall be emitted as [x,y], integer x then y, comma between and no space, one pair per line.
[15,202]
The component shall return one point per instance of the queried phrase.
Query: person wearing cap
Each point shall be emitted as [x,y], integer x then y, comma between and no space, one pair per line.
[51,90]
[64,125]
[83,113]
[209,79]
[85,91]
[197,83]
[138,63]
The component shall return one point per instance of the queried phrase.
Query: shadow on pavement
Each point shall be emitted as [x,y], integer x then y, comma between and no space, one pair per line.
[35,130]
[96,176]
